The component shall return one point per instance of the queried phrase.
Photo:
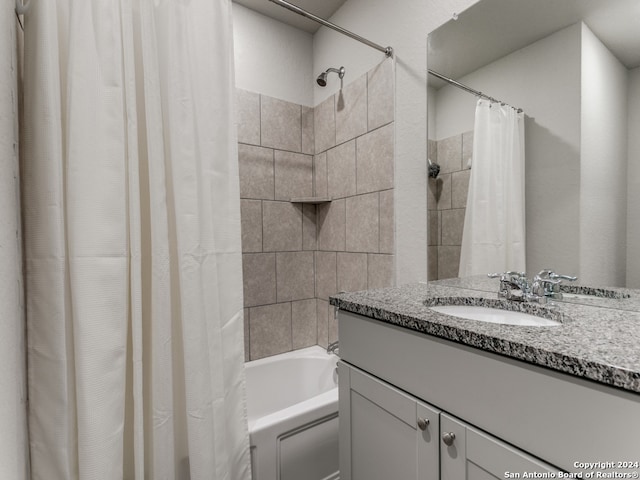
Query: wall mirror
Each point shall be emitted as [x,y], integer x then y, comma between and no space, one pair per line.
[573,66]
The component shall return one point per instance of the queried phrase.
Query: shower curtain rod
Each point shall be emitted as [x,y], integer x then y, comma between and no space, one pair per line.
[388,51]
[470,90]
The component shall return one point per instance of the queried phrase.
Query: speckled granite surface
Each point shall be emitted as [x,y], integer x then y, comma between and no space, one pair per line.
[594,295]
[596,343]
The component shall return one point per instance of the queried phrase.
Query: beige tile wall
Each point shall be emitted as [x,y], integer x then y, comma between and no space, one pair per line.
[295,256]
[354,165]
[447,200]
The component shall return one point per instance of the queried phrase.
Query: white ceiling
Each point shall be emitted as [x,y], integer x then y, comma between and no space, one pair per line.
[321,8]
[492,29]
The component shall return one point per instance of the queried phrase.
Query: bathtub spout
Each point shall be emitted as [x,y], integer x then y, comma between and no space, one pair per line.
[333,348]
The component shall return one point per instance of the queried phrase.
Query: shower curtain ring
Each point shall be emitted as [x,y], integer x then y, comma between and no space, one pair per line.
[21,9]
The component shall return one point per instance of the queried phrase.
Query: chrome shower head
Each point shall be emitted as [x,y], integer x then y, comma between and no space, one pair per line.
[322,78]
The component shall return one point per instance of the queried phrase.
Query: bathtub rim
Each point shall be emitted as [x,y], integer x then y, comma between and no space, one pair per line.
[312,351]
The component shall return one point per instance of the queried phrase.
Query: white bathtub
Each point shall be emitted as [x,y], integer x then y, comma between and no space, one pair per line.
[292,403]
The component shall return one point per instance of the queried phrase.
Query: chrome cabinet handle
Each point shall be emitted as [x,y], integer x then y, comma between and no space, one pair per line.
[423,423]
[448,438]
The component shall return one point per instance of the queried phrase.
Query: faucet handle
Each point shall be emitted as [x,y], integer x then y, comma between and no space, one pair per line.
[562,277]
[507,275]
[517,278]
[516,274]
[544,273]
[548,273]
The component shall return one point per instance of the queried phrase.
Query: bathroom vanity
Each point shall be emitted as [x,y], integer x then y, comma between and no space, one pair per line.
[428,395]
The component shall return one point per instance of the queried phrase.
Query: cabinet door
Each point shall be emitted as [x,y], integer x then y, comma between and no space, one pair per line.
[384,433]
[467,453]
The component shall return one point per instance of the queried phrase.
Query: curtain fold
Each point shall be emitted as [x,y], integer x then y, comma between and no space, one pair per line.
[132,242]
[493,238]
[14,457]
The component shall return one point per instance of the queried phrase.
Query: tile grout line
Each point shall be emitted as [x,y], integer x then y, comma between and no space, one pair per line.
[360,135]
[301,228]
[271,304]
[273,159]
[345,225]
[291,324]
[335,120]
[279,149]
[248,332]
[313,176]
[368,254]
[260,118]
[355,165]
[315,280]
[315,293]
[379,216]
[262,225]
[275,272]
[367,95]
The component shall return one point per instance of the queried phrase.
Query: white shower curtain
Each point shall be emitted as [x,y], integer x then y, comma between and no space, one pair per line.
[493,238]
[132,242]
[14,458]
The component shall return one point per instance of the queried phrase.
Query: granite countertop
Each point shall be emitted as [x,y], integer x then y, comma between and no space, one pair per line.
[593,342]
[596,295]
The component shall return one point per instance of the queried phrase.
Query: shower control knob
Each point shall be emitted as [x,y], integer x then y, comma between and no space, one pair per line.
[448,438]
[423,423]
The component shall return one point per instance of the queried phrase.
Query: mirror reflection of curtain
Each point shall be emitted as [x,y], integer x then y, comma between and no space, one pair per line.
[493,238]
[132,242]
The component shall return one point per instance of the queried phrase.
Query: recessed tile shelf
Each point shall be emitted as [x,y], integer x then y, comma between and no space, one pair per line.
[311,200]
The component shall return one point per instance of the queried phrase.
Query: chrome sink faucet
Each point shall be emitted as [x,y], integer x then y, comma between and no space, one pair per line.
[513,285]
[333,347]
[516,287]
[547,283]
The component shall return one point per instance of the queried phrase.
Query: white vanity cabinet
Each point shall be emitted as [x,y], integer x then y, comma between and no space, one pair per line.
[387,434]
[384,433]
[505,413]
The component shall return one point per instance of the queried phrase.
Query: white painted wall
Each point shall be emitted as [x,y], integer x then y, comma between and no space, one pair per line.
[272,58]
[603,165]
[13,398]
[633,186]
[405,27]
[431,113]
[543,79]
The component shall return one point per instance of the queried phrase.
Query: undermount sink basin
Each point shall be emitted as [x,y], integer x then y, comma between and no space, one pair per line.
[494,315]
